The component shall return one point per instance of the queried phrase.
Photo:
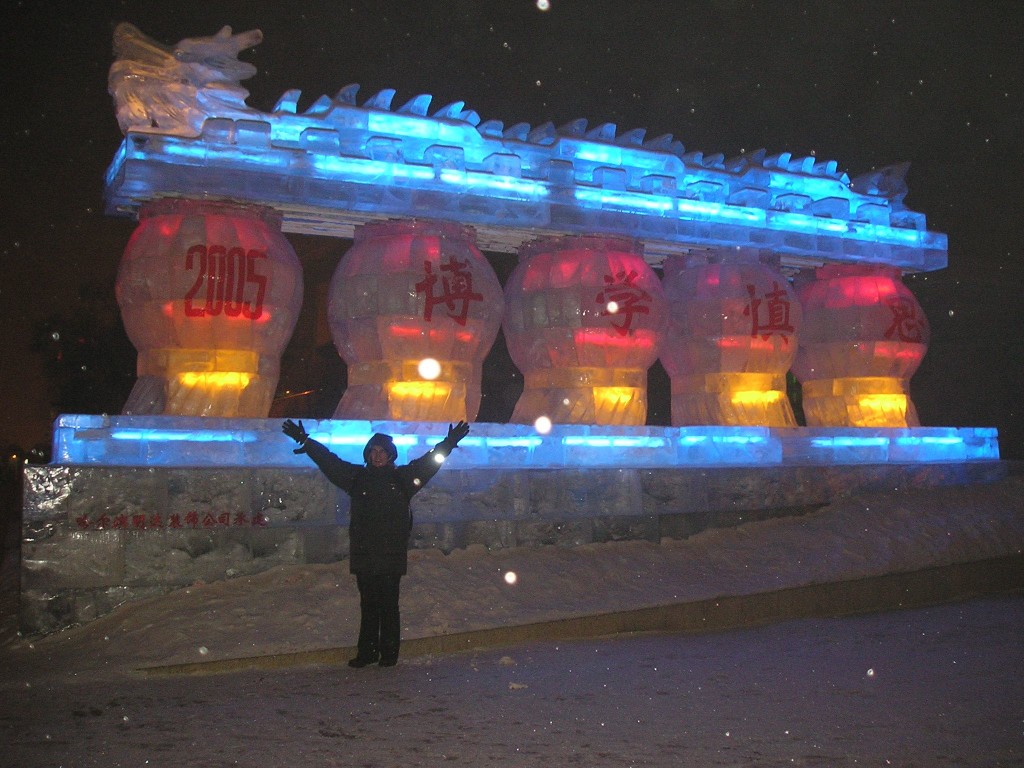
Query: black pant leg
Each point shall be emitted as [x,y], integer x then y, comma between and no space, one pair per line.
[369,618]
[390,619]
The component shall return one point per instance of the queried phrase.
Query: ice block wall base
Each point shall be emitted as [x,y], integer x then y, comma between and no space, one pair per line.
[96,536]
[135,507]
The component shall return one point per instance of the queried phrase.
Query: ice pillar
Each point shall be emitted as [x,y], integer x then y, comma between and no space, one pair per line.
[414,308]
[583,322]
[864,336]
[209,294]
[733,327]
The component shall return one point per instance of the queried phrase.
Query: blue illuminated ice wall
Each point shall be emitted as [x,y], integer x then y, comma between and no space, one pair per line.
[203,442]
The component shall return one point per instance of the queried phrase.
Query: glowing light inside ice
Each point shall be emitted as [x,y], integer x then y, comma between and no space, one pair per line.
[215,379]
[751,398]
[542,425]
[190,436]
[413,390]
[510,577]
[848,442]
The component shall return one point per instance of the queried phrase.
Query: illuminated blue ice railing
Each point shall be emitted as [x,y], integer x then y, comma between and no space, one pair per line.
[198,442]
[553,188]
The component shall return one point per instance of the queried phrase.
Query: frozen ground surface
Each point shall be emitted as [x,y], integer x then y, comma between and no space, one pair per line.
[934,687]
[941,686]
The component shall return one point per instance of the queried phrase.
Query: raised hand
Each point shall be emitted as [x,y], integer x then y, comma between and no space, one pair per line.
[295,431]
[456,433]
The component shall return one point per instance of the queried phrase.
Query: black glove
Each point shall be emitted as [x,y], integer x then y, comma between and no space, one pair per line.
[456,433]
[297,433]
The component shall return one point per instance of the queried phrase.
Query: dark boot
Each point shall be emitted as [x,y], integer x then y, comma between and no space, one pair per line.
[363,661]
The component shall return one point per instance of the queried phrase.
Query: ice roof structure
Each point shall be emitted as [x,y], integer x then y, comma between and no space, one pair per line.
[341,163]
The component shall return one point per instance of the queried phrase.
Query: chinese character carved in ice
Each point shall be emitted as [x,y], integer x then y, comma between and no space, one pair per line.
[414,308]
[583,322]
[733,335]
[865,336]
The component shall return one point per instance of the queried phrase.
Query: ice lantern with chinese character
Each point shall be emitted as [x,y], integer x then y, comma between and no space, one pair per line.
[583,321]
[864,336]
[733,325]
[209,294]
[407,291]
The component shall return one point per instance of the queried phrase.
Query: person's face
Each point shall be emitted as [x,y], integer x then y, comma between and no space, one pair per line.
[379,457]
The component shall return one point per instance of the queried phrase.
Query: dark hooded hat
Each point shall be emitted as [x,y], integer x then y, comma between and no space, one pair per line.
[385,442]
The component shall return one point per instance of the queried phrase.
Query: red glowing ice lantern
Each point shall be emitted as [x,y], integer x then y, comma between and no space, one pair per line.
[209,294]
[583,322]
[864,337]
[414,308]
[733,323]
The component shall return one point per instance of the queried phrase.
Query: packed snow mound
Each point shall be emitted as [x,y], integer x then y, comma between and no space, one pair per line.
[296,608]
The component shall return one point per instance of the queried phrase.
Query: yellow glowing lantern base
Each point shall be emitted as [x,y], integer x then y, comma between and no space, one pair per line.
[408,395]
[732,400]
[224,383]
[869,401]
[616,397]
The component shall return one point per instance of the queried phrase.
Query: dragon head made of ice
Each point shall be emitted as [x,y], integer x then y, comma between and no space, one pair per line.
[174,89]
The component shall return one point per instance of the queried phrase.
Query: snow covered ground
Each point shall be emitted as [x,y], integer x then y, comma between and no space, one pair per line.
[938,686]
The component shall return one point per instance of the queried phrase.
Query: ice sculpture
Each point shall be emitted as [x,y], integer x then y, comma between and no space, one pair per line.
[342,163]
[733,327]
[173,90]
[583,321]
[209,293]
[864,335]
[409,291]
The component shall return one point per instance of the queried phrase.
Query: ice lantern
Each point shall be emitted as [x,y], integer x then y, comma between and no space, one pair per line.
[583,321]
[408,292]
[864,337]
[209,294]
[733,325]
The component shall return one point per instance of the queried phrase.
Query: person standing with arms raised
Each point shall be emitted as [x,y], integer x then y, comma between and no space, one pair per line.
[380,522]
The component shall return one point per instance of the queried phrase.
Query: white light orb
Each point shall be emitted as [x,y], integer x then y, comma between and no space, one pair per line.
[510,577]
[542,425]
[429,368]
[612,307]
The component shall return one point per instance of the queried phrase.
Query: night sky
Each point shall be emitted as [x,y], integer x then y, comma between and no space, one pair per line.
[938,84]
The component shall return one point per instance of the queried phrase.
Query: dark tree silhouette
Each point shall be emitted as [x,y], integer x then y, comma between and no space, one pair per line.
[87,357]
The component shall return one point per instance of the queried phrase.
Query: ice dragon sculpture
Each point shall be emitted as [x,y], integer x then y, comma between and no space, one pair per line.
[174,90]
[341,163]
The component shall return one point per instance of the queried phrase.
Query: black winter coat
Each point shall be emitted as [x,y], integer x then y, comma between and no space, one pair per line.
[380,520]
